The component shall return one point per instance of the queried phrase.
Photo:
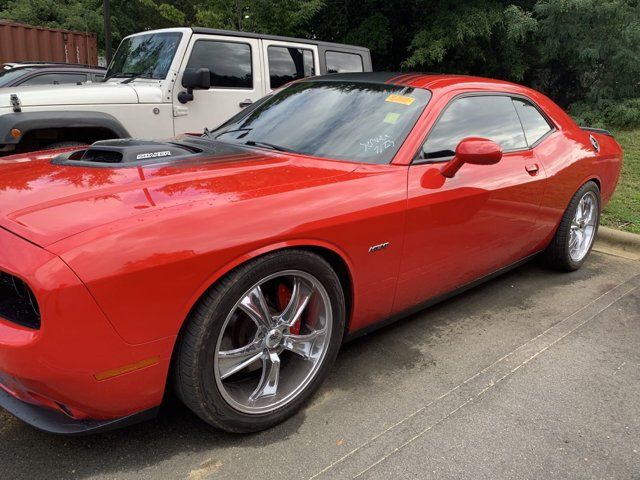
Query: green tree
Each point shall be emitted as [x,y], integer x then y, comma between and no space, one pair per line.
[485,37]
[382,26]
[588,49]
[127,16]
[583,53]
[70,14]
[278,17]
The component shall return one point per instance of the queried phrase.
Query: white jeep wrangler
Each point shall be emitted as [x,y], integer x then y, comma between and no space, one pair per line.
[166,82]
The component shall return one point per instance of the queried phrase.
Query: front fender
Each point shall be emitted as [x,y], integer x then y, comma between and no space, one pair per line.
[263,250]
[30,121]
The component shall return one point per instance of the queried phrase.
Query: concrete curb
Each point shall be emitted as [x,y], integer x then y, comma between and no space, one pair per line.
[617,242]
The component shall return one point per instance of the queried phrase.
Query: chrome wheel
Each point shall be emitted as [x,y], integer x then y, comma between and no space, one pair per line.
[583,226]
[273,342]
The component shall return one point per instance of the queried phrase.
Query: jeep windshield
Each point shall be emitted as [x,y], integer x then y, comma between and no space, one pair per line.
[356,121]
[145,56]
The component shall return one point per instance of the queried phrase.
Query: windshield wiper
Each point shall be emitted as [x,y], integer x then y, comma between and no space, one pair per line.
[272,146]
[232,131]
[251,143]
[134,76]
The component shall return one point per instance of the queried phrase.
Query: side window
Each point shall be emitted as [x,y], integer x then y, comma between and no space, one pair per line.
[287,64]
[55,79]
[493,117]
[340,62]
[228,62]
[534,124]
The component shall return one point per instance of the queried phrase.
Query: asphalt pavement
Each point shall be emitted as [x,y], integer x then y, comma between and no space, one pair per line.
[533,375]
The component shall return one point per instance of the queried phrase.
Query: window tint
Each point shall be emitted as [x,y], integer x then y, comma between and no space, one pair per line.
[339,62]
[229,63]
[55,79]
[287,64]
[355,121]
[493,117]
[534,124]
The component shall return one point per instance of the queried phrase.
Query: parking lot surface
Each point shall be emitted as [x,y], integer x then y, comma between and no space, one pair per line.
[535,374]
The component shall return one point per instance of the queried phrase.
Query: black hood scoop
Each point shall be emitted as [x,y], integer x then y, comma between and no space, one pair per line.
[127,153]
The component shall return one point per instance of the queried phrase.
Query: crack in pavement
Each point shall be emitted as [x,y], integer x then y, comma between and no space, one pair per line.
[379,448]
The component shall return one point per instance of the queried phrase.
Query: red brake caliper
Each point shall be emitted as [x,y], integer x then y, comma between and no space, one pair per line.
[284,296]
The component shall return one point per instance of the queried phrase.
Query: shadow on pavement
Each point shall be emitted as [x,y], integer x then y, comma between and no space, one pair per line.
[27,453]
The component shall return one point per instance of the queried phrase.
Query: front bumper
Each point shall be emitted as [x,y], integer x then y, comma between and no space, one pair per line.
[75,365]
[58,423]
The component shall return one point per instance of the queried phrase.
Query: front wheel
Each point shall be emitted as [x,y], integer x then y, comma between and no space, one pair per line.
[261,341]
[577,231]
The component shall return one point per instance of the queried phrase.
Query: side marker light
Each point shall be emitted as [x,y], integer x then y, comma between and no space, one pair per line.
[127,369]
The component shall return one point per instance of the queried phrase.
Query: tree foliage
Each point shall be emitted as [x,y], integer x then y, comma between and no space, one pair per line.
[584,53]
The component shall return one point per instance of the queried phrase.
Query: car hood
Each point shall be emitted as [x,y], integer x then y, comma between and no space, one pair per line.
[45,202]
[86,94]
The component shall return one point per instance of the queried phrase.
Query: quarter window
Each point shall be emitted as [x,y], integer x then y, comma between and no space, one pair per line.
[534,124]
[228,62]
[493,117]
[340,62]
[287,64]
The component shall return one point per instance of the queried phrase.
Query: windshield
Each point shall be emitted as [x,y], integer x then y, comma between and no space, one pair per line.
[362,122]
[8,76]
[147,56]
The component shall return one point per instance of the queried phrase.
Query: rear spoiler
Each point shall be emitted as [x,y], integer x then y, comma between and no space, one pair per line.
[597,130]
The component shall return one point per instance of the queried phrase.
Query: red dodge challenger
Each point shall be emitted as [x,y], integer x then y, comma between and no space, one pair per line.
[231,266]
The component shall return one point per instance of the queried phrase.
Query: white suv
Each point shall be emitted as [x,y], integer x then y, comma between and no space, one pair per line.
[167,82]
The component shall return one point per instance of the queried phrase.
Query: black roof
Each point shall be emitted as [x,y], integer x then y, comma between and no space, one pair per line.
[360,77]
[232,33]
[390,78]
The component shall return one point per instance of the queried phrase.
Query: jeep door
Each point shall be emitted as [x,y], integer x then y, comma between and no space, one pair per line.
[236,81]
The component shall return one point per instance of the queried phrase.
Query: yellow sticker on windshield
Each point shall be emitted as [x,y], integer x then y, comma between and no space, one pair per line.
[401,99]
[391,118]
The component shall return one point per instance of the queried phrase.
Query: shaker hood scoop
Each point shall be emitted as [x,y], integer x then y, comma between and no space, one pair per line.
[126,153]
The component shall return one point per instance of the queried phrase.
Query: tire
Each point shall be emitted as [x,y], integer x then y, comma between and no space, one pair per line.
[562,253]
[203,356]
[65,144]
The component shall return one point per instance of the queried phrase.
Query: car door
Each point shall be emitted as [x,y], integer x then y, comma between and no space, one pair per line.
[236,81]
[287,61]
[463,228]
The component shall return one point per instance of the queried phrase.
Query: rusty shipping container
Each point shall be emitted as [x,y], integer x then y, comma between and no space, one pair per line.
[24,43]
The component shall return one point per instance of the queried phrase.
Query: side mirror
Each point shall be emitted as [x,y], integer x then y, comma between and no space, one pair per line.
[193,79]
[473,150]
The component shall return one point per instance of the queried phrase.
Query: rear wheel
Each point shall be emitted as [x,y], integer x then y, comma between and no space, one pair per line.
[577,230]
[261,341]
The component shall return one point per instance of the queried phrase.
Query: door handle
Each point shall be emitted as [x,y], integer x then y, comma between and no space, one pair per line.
[246,103]
[532,169]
